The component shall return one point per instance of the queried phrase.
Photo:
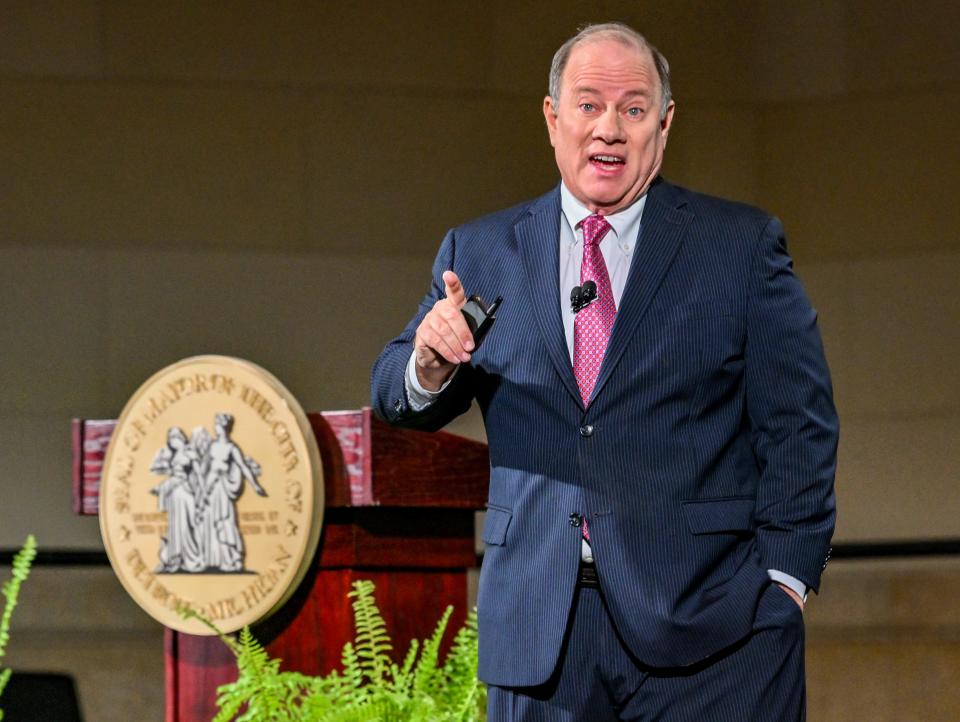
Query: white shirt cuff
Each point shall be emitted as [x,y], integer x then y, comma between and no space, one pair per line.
[419,397]
[792,582]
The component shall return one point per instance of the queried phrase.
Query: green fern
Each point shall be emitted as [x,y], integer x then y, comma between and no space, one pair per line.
[428,678]
[11,592]
[353,692]
[465,693]
[402,676]
[372,641]
[370,688]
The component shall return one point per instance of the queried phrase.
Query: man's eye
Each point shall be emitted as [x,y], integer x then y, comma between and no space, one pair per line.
[587,107]
[635,112]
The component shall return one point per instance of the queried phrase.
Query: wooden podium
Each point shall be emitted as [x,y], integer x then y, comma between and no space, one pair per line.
[399,511]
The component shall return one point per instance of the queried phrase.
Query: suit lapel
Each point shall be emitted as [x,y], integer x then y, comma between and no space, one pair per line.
[662,227]
[538,237]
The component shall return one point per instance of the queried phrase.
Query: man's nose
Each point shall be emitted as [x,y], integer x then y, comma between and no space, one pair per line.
[609,127]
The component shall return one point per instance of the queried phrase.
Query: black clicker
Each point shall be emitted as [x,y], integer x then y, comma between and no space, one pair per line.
[480,317]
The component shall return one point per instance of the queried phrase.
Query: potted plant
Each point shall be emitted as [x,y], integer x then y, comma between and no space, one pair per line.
[371,685]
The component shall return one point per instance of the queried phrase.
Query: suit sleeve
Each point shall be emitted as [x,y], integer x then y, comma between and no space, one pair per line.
[793,422]
[388,391]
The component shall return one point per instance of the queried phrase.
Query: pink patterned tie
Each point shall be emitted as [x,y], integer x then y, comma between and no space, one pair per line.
[593,324]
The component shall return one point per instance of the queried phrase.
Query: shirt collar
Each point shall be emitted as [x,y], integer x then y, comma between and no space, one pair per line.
[575,212]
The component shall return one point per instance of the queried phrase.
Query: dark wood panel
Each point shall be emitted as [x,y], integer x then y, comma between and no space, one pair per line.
[417,468]
[395,537]
[195,667]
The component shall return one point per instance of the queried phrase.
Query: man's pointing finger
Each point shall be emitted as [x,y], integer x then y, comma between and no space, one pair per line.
[454,289]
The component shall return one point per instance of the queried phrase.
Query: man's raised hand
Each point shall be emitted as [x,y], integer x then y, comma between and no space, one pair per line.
[443,339]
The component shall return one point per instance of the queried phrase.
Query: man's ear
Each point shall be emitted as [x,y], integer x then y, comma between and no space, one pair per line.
[550,115]
[667,121]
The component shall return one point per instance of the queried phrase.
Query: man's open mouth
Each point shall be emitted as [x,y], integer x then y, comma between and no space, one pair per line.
[606,162]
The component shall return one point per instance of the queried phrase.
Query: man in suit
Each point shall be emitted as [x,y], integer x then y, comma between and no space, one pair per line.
[662,459]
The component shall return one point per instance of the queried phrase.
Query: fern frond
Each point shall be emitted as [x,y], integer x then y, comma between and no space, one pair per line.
[267,691]
[403,675]
[462,687]
[373,644]
[229,703]
[253,658]
[22,561]
[427,676]
[11,590]
[352,671]
[260,687]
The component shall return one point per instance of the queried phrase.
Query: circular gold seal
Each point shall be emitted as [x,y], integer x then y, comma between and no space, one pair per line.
[212,494]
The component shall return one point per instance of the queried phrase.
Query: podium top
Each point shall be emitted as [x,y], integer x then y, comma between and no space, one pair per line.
[366,463]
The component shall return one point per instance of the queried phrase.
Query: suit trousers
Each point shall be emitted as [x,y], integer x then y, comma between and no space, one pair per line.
[759,679]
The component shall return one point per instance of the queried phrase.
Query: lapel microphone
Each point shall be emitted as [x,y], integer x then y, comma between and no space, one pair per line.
[583,296]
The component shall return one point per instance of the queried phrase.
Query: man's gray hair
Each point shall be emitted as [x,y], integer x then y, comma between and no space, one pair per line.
[610,31]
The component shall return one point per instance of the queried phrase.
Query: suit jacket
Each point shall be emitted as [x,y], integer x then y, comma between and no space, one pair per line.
[705,456]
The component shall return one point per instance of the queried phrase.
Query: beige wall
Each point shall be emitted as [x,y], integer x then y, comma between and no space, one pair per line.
[175,179]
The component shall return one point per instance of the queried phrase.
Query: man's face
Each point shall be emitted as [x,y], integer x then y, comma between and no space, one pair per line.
[605,128]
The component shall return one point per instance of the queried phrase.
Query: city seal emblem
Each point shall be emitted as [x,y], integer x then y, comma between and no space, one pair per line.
[211,494]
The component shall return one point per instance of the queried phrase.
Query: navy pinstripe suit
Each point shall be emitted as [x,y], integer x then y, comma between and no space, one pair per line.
[706,454]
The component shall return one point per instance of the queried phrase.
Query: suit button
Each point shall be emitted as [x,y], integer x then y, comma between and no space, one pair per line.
[586,430]
[575,519]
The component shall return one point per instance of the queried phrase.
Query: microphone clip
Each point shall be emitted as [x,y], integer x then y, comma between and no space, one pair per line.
[583,296]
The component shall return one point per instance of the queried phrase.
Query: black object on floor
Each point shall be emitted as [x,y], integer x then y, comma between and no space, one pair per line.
[40,697]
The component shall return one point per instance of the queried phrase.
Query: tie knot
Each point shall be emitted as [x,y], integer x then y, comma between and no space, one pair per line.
[594,228]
